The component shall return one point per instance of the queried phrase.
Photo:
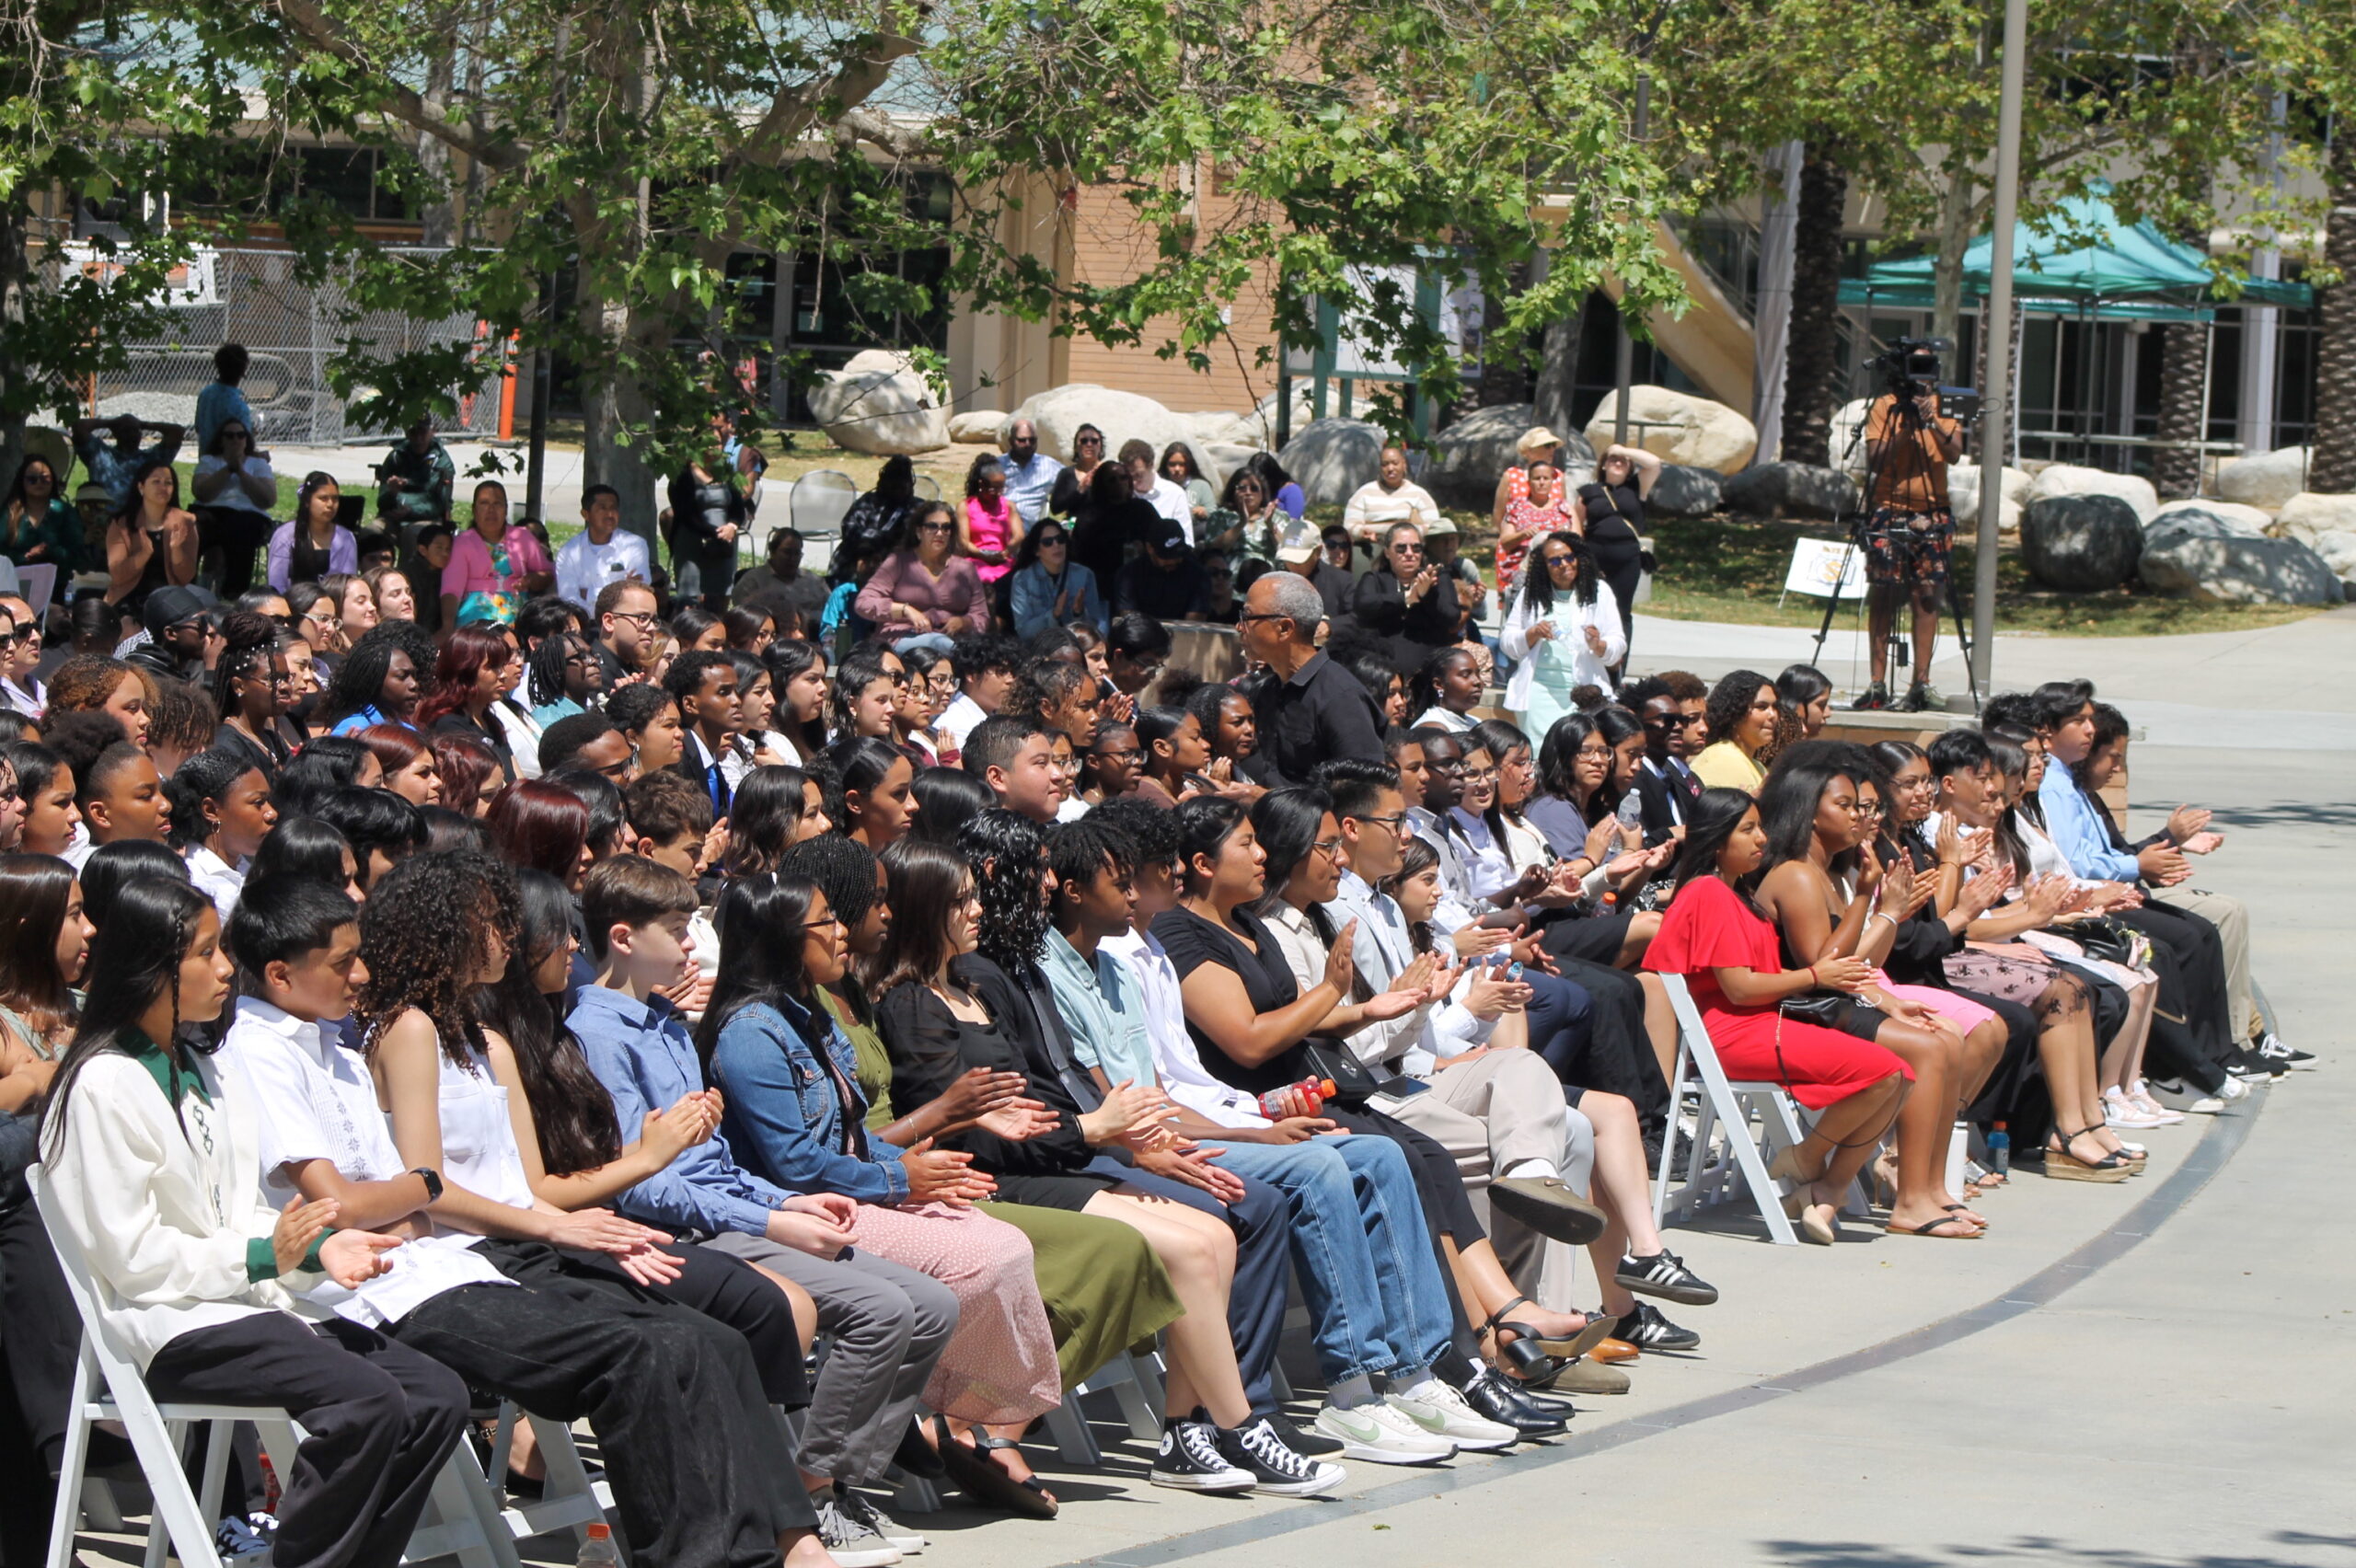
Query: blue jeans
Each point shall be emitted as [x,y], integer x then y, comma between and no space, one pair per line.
[1376,1301]
[1561,1018]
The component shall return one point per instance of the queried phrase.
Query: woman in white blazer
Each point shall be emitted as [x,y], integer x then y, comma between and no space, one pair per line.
[154,1177]
[1562,632]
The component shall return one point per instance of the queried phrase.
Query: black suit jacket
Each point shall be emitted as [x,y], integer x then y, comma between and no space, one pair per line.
[1379,604]
[692,769]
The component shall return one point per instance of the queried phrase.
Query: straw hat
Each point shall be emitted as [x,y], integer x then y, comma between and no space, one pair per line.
[1537,438]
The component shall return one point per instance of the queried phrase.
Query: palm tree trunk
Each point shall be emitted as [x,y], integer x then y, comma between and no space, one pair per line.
[2184,375]
[1812,361]
[2333,470]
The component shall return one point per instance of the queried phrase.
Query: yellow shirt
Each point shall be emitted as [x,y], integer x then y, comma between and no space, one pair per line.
[1723,766]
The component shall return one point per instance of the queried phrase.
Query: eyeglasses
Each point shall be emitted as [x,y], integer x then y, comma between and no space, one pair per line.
[1089,441]
[642,619]
[1477,775]
[579,661]
[1592,754]
[1680,720]
[1395,823]
[1555,561]
[1250,615]
[1328,847]
[1868,808]
[329,621]
[1404,549]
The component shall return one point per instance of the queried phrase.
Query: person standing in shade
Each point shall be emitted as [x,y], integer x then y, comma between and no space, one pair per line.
[709,514]
[221,401]
[1610,513]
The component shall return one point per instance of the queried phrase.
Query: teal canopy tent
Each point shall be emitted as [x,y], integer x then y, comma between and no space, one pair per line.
[2084,262]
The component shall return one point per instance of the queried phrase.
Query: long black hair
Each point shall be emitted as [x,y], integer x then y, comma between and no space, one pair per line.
[947,799]
[424,924]
[326,763]
[1710,820]
[760,920]
[302,846]
[1286,823]
[787,658]
[1204,825]
[762,817]
[1008,857]
[1537,583]
[135,957]
[572,1112]
[1794,790]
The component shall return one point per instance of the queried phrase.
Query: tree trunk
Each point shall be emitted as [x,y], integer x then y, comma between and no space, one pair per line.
[2333,471]
[1812,360]
[613,404]
[434,154]
[2184,377]
[15,279]
[1958,215]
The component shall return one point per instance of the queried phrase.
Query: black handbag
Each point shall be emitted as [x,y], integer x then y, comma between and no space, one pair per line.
[1353,1083]
[2104,939]
[1826,1009]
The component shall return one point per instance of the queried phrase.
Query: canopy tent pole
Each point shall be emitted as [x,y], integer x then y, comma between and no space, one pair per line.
[2208,380]
[2000,306]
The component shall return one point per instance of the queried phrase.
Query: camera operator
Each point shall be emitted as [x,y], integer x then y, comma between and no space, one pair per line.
[1910,533]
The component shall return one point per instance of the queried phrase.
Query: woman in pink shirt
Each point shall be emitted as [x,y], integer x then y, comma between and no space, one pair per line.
[493,559]
[993,529]
[925,585]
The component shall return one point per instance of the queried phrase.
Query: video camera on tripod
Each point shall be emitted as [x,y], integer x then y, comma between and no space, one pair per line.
[1910,368]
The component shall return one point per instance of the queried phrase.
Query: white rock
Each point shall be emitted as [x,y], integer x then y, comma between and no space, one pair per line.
[1963,497]
[2267,479]
[879,409]
[2309,514]
[887,360]
[2246,520]
[1848,449]
[2069,478]
[1681,428]
[2338,547]
[2240,572]
[1221,459]
[977,426]
[1123,417]
[1330,458]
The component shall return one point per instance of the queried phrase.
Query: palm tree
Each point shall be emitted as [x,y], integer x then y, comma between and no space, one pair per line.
[1812,360]
[2333,470]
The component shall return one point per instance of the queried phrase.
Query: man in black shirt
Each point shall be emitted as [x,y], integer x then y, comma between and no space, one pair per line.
[1312,709]
[1166,582]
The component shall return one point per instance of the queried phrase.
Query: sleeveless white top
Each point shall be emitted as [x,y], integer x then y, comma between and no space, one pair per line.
[477,1140]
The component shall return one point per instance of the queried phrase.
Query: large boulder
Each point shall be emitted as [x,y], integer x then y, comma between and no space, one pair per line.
[2069,478]
[1469,456]
[1123,417]
[1963,491]
[1221,459]
[1681,427]
[1847,447]
[2308,513]
[2267,481]
[878,404]
[1789,489]
[1684,492]
[2337,549]
[2201,522]
[2230,517]
[1330,459]
[2081,543]
[977,426]
[2239,571]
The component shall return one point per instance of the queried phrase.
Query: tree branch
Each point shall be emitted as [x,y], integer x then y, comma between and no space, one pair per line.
[795,112]
[402,103]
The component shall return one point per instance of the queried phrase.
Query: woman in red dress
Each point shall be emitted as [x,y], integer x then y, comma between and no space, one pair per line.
[1715,937]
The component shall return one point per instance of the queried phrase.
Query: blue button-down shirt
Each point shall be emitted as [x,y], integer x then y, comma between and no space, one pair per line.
[640,1052]
[2079,831]
[1029,484]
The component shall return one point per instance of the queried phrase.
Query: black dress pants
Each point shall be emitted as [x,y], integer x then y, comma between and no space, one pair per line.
[378,1418]
[1617,1057]
[732,1291]
[701,1473]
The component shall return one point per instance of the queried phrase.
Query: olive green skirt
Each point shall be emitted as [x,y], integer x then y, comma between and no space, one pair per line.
[1104,1290]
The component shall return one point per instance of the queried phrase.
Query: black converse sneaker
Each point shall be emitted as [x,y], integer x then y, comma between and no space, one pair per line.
[1257,1450]
[1192,1460]
[1664,1274]
[1647,1329]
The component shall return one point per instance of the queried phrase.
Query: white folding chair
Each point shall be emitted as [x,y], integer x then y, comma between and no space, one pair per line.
[568,1500]
[928,488]
[1725,1106]
[108,1387]
[815,508]
[1134,1384]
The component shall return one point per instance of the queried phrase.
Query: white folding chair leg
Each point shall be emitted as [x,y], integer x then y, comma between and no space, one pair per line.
[178,1518]
[1075,1444]
[467,1524]
[76,1462]
[1140,1400]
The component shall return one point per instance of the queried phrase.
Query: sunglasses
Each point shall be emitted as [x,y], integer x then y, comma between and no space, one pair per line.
[932,527]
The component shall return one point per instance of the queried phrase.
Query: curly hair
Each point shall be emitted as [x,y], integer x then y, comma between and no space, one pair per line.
[1730,700]
[1008,857]
[249,642]
[85,683]
[426,924]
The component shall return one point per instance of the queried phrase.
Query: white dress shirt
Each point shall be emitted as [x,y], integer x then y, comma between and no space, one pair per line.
[583,568]
[1171,501]
[1176,1062]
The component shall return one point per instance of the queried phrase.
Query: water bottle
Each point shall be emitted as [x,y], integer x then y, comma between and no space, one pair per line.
[599,1550]
[2000,1149]
[1632,811]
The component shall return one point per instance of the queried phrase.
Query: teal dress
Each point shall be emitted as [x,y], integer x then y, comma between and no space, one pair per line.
[59,527]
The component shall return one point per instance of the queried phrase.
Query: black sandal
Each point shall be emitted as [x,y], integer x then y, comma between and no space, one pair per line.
[985,1482]
[1535,1357]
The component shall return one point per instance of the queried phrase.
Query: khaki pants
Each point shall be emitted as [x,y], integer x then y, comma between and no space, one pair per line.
[2231,916]
[1491,1114]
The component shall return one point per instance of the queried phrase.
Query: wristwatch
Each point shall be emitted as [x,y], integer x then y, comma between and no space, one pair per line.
[432,1180]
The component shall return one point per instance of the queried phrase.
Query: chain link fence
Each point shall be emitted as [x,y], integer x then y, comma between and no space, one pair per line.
[293,332]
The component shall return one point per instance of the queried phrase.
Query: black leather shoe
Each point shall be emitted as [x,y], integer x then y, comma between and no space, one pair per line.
[1498,1399]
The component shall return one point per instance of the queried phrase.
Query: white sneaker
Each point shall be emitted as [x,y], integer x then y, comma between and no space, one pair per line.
[1442,1411]
[1382,1435]
[2207,1105]
[2235,1089]
[2141,1094]
[2120,1111]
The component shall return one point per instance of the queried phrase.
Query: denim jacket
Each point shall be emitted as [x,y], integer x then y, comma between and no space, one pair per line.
[785,1072]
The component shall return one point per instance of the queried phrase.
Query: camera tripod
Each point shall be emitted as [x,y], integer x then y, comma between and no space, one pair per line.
[1899,654]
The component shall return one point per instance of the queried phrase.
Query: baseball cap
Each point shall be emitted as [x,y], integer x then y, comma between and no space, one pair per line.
[1170,540]
[1433,530]
[1299,542]
[168,606]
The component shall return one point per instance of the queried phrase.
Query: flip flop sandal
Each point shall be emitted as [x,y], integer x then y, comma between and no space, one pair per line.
[1930,1229]
[986,1483]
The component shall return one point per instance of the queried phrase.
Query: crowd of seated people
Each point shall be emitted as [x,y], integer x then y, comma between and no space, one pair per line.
[598,1010]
